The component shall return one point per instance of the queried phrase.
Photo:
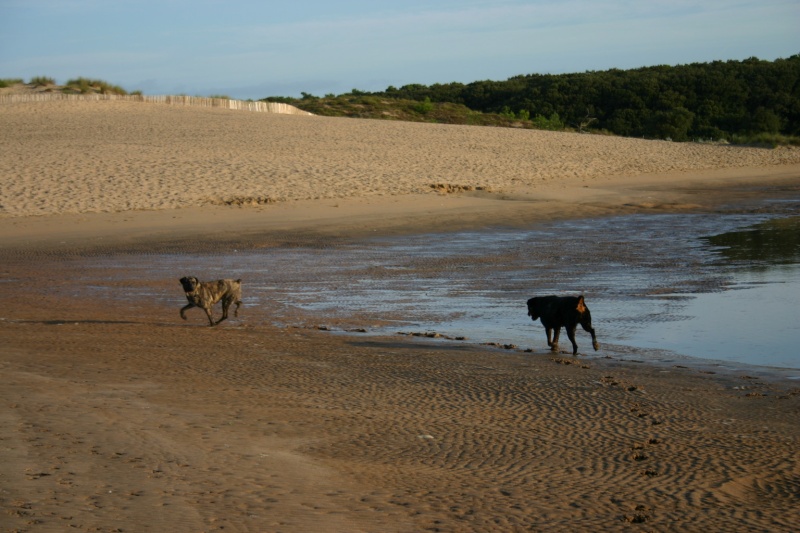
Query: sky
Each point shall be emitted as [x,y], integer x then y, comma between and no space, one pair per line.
[248,49]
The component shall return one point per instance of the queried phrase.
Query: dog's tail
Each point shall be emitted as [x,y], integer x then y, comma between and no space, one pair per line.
[581,304]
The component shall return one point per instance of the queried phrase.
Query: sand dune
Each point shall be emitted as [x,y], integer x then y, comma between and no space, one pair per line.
[99,156]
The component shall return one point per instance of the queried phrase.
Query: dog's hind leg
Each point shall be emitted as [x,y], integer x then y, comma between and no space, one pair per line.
[590,330]
[223,317]
[226,303]
[586,324]
[237,297]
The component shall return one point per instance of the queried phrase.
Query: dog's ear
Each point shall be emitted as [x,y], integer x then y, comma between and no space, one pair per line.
[581,304]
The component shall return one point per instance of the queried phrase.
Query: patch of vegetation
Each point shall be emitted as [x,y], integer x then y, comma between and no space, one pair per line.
[9,82]
[360,105]
[42,81]
[90,86]
[766,140]
[424,107]
[74,86]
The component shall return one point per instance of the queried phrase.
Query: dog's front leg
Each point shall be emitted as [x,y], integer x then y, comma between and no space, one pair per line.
[556,334]
[208,314]
[184,309]
[571,335]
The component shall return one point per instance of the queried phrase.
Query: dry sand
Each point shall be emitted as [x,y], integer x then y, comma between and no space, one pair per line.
[117,416]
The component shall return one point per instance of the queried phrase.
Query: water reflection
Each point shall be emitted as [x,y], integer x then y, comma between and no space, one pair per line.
[774,242]
[750,323]
[754,320]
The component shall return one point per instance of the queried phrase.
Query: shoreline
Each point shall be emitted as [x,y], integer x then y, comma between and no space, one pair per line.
[668,361]
[220,228]
[394,215]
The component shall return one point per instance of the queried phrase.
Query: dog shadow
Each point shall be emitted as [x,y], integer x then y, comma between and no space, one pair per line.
[404,345]
[69,322]
[79,321]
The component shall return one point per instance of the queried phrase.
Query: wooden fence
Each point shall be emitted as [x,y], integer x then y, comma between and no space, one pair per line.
[242,105]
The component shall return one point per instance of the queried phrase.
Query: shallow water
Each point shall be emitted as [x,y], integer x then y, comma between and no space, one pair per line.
[705,286]
[751,322]
[754,319]
[685,287]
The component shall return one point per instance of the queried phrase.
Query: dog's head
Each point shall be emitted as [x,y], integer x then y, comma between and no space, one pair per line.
[533,308]
[189,283]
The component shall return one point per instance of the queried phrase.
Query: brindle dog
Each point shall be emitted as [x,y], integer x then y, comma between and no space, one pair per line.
[206,294]
[562,311]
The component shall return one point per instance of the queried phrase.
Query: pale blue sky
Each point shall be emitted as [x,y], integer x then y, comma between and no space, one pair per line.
[253,49]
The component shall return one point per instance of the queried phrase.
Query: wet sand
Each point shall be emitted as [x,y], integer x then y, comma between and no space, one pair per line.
[120,416]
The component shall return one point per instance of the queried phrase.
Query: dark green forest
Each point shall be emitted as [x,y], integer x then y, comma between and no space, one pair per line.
[735,101]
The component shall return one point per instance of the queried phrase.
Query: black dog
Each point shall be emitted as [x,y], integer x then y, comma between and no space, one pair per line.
[562,311]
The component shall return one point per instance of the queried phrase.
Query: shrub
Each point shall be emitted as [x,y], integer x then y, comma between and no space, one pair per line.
[8,82]
[553,123]
[507,113]
[82,85]
[41,81]
[766,140]
[424,107]
[281,100]
[86,85]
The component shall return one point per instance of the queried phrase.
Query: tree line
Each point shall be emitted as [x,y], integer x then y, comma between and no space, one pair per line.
[700,101]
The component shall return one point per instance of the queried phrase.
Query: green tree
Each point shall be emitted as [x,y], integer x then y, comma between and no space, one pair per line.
[673,124]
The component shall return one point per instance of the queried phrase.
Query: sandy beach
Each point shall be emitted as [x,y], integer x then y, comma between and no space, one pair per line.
[119,416]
